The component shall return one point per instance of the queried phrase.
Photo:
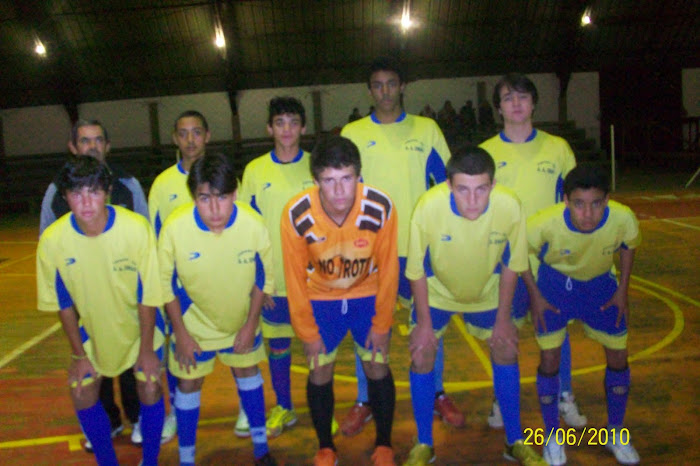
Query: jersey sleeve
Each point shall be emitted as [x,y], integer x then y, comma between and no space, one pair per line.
[387,257]
[295,256]
[154,207]
[417,246]
[149,277]
[438,157]
[46,275]
[166,265]
[264,272]
[535,236]
[246,191]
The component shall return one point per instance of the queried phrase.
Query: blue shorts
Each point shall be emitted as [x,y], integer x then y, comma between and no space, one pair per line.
[479,324]
[580,300]
[276,322]
[335,318]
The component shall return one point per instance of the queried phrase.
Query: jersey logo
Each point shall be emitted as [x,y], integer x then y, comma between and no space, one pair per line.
[360,243]
[414,145]
[496,237]
[266,185]
[501,164]
[564,252]
[194,255]
[246,257]
[446,238]
[172,197]
[70,261]
[371,143]
[546,167]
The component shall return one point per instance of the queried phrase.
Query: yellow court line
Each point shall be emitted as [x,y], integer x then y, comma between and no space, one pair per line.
[675,294]
[680,224]
[15,353]
[13,262]
[473,344]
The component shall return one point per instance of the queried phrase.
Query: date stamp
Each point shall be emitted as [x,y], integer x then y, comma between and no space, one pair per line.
[587,436]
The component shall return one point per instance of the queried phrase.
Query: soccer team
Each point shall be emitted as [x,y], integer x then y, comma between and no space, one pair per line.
[380,218]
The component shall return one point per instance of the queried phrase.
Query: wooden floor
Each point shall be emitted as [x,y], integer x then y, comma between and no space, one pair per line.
[38,426]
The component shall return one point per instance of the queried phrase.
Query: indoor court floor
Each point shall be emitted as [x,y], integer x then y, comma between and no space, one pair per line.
[38,426]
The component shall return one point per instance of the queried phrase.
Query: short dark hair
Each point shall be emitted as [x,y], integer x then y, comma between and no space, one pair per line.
[587,176]
[217,170]
[470,160]
[284,105]
[386,64]
[80,123]
[194,114]
[79,172]
[334,152]
[514,81]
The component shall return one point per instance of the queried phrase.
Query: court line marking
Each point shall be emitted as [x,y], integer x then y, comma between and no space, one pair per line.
[680,224]
[484,359]
[15,261]
[679,324]
[673,293]
[17,352]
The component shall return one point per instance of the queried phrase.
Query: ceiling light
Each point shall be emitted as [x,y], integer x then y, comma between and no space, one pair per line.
[40,49]
[586,18]
[220,40]
[406,22]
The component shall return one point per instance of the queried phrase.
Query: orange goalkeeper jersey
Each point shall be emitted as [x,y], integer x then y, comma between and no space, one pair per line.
[324,261]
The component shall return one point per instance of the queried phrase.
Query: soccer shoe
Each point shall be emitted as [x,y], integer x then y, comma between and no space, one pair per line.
[359,415]
[420,455]
[447,411]
[242,429]
[334,427]
[383,456]
[495,419]
[624,454]
[326,457]
[278,419]
[265,460]
[523,454]
[136,437]
[115,431]
[569,412]
[169,428]
[554,454]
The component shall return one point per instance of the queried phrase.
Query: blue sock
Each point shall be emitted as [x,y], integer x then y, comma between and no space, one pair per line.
[506,384]
[152,418]
[548,393]
[250,390]
[187,415]
[617,387]
[172,387]
[439,366]
[280,365]
[95,424]
[423,400]
[362,393]
[565,366]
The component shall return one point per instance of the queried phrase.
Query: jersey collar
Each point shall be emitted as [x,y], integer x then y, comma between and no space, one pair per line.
[180,168]
[398,120]
[295,160]
[203,226]
[455,210]
[570,224]
[532,136]
[111,214]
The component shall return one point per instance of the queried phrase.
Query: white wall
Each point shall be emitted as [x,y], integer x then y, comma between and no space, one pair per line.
[34,130]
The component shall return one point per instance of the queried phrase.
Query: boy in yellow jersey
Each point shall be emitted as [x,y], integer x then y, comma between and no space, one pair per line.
[576,241]
[467,245]
[341,268]
[402,154]
[532,163]
[205,248]
[97,268]
[169,191]
[269,181]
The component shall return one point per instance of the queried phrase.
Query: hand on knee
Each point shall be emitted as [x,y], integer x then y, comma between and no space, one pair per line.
[423,361]
[503,353]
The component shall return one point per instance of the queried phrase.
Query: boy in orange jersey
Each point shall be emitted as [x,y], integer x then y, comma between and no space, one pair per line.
[341,268]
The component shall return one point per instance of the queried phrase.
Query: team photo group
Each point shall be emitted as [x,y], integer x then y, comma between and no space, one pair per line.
[378,224]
